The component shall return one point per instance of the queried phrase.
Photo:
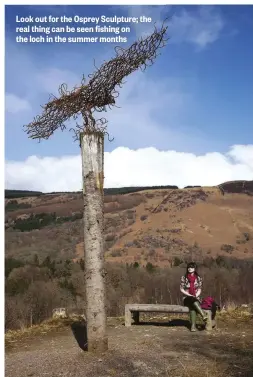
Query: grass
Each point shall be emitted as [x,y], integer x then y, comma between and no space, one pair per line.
[238,314]
[232,314]
[43,328]
[202,369]
[53,324]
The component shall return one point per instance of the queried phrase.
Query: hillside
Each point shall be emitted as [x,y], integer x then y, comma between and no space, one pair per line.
[154,225]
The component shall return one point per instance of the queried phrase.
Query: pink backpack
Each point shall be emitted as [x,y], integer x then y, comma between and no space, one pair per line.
[207,303]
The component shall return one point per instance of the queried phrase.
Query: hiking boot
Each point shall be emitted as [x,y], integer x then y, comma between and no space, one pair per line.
[193,328]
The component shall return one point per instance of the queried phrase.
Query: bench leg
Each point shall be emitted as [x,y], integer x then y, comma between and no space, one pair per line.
[136,317]
[214,323]
[209,326]
[128,317]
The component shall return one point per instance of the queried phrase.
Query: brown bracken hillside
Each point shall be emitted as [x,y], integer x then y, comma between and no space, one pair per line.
[154,226]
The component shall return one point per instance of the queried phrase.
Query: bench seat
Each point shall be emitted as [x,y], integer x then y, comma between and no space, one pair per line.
[135,309]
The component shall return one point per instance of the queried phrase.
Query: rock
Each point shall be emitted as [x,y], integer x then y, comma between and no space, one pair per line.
[139,364]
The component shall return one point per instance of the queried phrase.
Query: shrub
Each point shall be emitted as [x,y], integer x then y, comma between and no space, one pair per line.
[10,264]
[137,244]
[110,237]
[150,196]
[227,248]
[13,205]
[177,261]
[151,252]
[143,217]
[247,236]
[109,244]
[131,215]
[116,253]
[129,244]
[40,220]
[150,267]
[238,241]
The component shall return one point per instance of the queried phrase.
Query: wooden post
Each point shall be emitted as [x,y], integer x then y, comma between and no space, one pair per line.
[128,316]
[214,323]
[92,150]
[209,325]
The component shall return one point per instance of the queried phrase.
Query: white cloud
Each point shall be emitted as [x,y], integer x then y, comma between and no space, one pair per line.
[142,167]
[199,27]
[15,104]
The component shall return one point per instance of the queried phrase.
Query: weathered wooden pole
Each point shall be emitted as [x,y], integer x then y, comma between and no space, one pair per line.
[98,94]
[92,150]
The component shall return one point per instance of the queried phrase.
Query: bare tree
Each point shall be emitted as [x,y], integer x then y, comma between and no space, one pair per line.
[95,96]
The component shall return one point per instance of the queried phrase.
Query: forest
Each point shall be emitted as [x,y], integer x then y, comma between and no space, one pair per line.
[33,289]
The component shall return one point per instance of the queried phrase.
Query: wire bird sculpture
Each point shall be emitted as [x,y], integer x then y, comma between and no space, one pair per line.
[99,92]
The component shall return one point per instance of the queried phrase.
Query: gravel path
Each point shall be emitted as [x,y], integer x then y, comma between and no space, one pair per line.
[139,351]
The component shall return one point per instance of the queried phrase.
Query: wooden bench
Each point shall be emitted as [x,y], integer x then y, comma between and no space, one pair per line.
[135,309]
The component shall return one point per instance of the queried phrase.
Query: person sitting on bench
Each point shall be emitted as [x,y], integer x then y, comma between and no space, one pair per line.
[190,287]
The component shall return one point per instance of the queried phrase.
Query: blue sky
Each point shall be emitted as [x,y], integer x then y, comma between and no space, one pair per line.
[197,98]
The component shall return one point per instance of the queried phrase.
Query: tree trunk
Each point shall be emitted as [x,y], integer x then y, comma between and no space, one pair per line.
[92,149]
[31,318]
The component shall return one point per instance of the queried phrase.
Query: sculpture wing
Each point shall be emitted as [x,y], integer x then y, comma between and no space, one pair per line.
[100,90]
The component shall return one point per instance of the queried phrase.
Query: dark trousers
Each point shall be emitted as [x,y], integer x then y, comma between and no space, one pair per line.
[189,301]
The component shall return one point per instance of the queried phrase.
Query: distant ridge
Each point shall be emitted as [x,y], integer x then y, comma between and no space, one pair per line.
[241,186]
[237,187]
[9,194]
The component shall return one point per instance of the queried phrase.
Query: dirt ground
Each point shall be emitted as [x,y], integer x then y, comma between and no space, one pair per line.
[160,348]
